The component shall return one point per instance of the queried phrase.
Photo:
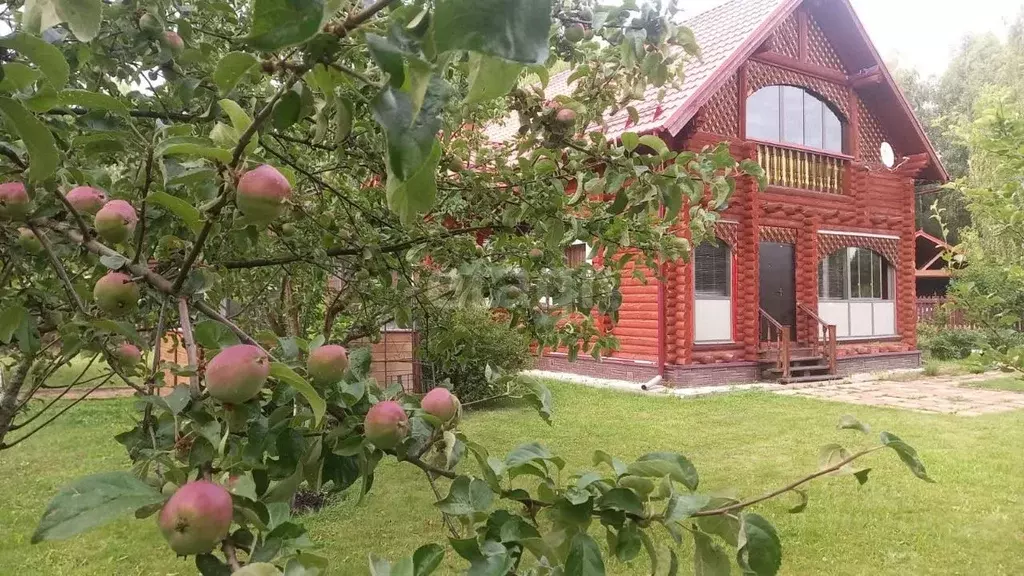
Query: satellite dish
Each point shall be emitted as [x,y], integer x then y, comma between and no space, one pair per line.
[887,154]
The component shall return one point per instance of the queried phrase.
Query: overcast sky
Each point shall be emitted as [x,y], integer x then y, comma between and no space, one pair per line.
[920,33]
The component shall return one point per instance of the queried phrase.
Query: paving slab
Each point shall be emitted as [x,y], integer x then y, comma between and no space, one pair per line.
[938,395]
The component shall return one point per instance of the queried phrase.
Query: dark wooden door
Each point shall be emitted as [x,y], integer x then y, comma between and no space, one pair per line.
[778,284]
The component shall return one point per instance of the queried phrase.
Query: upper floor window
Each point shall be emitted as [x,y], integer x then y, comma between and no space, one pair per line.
[792,115]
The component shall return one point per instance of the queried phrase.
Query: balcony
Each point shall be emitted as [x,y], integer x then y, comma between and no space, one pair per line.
[802,168]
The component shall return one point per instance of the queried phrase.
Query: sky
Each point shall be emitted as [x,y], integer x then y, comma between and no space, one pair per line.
[920,33]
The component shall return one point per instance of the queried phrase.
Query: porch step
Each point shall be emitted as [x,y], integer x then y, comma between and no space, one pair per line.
[794,354]
[805,379]
[808,368]
[802,360]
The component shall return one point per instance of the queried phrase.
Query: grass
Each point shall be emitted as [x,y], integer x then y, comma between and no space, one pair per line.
[968,522]
[1008,383]
[68,372]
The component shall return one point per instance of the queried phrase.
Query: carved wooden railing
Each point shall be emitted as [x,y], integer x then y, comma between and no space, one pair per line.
[823,342]
[792,166]
[778,337]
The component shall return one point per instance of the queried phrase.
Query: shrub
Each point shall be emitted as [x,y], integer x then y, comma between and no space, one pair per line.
[462,343]
[932,369]
[953,344]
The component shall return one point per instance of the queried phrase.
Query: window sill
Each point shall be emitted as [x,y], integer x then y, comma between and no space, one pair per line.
[879,338]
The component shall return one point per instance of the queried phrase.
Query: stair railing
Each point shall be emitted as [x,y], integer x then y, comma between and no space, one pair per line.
[774,333]
[823,342]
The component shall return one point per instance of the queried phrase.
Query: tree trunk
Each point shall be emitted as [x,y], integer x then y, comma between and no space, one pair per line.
[291,308]
[9,390]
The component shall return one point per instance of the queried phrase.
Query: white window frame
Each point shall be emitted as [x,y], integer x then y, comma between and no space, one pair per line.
[714,300]
[826,305]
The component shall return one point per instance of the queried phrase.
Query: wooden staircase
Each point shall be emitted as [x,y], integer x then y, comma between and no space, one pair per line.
[788,363]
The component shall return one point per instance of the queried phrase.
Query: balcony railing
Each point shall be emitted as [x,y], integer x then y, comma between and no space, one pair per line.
[806,169]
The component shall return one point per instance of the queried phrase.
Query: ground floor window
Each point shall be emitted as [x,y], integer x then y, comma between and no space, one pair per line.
[856,293]
[712,283]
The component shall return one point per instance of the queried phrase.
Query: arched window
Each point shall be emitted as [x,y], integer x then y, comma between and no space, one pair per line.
[793,115]
[856,292]
[712,293]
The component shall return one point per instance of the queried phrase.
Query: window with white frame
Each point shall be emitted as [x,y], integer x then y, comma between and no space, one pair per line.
[711,270]
[712,287]
[856,293]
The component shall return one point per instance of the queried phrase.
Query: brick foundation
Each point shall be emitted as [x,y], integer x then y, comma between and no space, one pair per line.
[694,375]
[878,362]
[678,376]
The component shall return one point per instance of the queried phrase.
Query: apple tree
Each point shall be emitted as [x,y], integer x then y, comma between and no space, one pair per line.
[270,180]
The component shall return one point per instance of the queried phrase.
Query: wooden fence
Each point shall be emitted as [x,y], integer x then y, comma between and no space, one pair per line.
[929,310]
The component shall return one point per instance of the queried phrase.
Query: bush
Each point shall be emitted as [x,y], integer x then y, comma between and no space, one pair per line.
[462,343]
[932,369]
[953,344]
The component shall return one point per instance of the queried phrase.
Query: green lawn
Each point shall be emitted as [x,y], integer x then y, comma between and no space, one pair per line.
[967,523]
[1010,383]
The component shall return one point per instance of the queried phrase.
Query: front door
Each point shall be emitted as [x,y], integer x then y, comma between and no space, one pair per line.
[778,284]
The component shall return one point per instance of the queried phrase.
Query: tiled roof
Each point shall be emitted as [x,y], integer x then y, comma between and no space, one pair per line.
[720,33]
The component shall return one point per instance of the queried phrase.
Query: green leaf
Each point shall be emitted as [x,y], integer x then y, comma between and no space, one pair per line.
[82,16]
[125,329]
[231,68]
[527,453]
[192,146]
[584,558]
[18,76]
[907,454]
[602,457]
[622,499]
[280,23]
[630,141]
[180,208]
[214,335]
[240,120]
[93,101]
[466,496]
[177,400]
[10,319]
[285,374]
[92,501]
[708,558]
[515,30]
[539,396]
[426,559]
[389,57]
[47,57]
[831,455]
[411,137]
[659,464]
[490,77]
[654,143]
[42,151]
[682,506]
[848,422]
[417,194]
[342,120]
[286,111]
[652,552]
[40,15]
[258,569]
[759,548]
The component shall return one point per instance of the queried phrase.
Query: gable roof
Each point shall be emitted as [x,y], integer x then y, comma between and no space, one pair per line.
[729,35]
